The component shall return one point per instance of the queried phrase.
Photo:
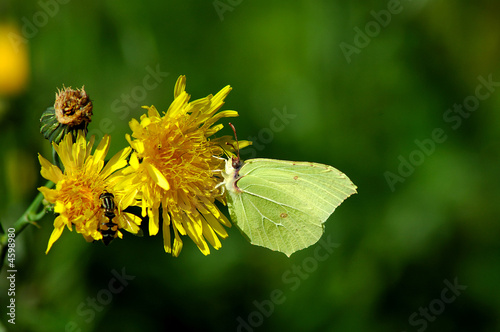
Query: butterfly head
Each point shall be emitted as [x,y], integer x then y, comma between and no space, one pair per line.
[234,162]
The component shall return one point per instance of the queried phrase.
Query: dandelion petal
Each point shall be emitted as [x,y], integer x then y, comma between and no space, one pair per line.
[157,176]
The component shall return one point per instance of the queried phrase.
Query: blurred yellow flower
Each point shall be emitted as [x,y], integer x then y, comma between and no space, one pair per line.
[14,61]
[177,167]
[78,196]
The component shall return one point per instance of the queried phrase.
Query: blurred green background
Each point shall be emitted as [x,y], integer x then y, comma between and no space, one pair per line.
[365,85]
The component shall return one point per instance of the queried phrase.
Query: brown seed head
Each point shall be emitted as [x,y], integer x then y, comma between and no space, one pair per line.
[72,107]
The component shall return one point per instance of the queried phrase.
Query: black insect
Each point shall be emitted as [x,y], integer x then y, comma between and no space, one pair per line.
[107,226]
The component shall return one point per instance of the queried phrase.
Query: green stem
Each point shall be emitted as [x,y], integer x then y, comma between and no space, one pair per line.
[31,214]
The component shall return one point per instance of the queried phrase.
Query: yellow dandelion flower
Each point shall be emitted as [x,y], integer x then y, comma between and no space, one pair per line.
[88,193]
[177,167]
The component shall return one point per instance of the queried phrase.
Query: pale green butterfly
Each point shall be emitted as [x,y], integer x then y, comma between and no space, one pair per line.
[282,205]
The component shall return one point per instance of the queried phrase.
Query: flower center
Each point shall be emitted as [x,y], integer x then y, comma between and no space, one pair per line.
[83,193]
[185,159]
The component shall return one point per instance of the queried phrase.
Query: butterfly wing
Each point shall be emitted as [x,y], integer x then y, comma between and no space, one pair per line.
[282,205]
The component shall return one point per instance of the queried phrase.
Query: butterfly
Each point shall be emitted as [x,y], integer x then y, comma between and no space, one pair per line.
[283,205]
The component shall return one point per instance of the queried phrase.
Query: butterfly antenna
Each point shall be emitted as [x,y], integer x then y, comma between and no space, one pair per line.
[224,150]
[236,139]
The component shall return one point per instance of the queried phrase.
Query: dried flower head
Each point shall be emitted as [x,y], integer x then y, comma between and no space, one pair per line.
[73,107]
[72,111]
